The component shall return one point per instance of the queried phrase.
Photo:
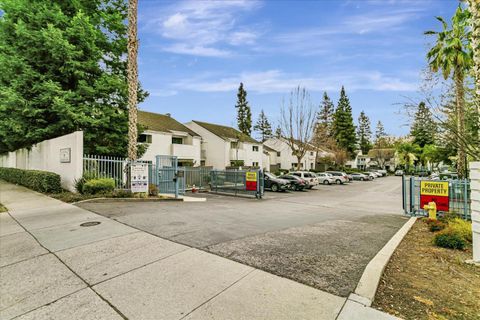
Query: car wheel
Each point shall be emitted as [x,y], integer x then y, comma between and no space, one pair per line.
[361,179]
[338,181]
[274,187]
[326,182]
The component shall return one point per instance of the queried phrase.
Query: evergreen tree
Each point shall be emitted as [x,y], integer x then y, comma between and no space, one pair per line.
[263,127]
[343,127]
[423,129]
[62,69]
[324,124]
[244,114]
[278,132]
[380,134]
[364,133]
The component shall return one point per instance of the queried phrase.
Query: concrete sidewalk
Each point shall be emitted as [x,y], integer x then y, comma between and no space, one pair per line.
[63,262]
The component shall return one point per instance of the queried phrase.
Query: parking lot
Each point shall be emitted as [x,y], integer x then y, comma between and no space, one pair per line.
[322,237]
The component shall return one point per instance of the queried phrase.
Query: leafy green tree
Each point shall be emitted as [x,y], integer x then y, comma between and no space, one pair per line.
[244,114]
[452,55]
[62,69]
[364,133]
[407,154]
[263,127]
[343,127]
[424,128]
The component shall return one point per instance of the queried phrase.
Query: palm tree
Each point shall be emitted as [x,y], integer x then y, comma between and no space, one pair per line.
[132,74]
[451,54]
[407,154]
[474,8]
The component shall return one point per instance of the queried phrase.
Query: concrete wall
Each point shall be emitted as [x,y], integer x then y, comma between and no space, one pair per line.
[45,156]
[475,189]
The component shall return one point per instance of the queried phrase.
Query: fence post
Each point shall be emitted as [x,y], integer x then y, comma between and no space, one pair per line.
[412,196]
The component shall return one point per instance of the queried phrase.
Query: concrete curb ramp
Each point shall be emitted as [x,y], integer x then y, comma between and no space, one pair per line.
[51,267]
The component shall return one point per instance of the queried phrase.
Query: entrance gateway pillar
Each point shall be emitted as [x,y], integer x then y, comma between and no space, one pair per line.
[475,196]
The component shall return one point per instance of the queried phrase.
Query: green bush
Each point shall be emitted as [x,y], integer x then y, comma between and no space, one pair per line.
[42,181]
[461,227]
[435,225]
[152,190]
[79,183]
[449,238]
[96,186]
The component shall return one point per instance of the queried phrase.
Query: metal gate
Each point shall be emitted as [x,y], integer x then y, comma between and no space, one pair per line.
[459,197]
[236,182]
[168,177]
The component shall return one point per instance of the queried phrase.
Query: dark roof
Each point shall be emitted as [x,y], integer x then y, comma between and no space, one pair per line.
[162,123]
[225,132]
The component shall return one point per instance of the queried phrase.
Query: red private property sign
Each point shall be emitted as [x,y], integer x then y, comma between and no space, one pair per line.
[434,191]
[251,181]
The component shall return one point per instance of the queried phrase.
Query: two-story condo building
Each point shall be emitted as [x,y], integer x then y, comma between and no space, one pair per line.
[285,157]
[225,146]
[166,136]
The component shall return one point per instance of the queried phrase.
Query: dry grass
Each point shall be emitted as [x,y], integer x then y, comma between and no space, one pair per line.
[422,281]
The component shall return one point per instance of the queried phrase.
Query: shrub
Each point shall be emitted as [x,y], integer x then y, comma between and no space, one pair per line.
[42,181]
[461,227]
[152,190]
[435,225]
[96,186]
[122,194]
[79,183]
[449,238]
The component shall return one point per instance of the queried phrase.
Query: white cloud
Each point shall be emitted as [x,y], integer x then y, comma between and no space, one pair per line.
[203,27]
[162,92]
[271,81]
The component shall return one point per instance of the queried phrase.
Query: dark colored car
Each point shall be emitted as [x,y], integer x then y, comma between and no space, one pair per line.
[298,184]
[274,183]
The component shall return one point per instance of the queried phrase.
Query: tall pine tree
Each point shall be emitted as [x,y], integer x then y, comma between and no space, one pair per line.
[263,127]
[380,134]
[343,126]
[324,125]
[244,114]
[364,133]
[424,128]
[62,69]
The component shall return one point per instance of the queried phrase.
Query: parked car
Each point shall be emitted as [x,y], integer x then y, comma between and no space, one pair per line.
[375,174]
[399,173]
[370,175]
[297,183]
[350,178]
[340,177]
[309,177]
[325,178]
[274,183]
[359,176]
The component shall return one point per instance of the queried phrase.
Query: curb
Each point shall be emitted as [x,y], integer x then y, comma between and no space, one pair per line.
[102,200]
[368,284]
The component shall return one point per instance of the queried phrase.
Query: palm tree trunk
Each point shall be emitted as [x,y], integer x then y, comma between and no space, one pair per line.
[460,112]
[132,74]
[474,7]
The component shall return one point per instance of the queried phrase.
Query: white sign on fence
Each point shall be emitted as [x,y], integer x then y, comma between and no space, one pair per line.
[139,177]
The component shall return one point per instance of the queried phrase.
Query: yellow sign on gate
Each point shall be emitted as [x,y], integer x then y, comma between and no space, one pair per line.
[434,188]
[251,176]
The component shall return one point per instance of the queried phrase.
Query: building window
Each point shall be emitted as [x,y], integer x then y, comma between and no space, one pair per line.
[311,165]
[255,148]
[176,140]
[311,153]
[278,153]
[255,164]
[145,138]
[234,144]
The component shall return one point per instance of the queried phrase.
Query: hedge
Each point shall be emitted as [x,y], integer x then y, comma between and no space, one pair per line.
[96,186]
[42,181]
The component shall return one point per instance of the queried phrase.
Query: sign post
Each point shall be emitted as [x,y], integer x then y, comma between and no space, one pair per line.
[434,191]
[251,181]
[139,178]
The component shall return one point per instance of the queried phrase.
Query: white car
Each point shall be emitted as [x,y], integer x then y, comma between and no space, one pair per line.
[325,178]
[309,177]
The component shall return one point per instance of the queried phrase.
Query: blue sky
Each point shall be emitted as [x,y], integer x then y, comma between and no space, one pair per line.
[194,54]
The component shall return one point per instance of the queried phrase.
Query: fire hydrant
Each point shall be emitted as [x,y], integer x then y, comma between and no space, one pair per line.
[194,189]
[431,207]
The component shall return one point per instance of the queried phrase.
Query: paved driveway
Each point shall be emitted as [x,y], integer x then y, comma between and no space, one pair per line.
[323,238]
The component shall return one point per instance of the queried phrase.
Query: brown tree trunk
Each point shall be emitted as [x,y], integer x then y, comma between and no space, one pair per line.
[132,77]
[299,162]
[460,113]
[474,7]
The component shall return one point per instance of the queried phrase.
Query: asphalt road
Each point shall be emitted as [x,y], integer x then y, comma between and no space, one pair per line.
[323,237]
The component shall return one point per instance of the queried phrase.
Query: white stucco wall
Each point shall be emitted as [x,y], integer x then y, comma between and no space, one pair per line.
[45,156]
[162,145]
[251,156]
[216,151]
[475,194]
[286,158]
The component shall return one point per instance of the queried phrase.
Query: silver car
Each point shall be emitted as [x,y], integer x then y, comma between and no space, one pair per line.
[325,178]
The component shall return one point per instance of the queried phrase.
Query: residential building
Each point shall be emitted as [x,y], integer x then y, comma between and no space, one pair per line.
[271,159]
[166,136]
[224,146]
[285,157]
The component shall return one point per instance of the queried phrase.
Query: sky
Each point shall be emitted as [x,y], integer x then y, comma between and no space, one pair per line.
[194,54]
